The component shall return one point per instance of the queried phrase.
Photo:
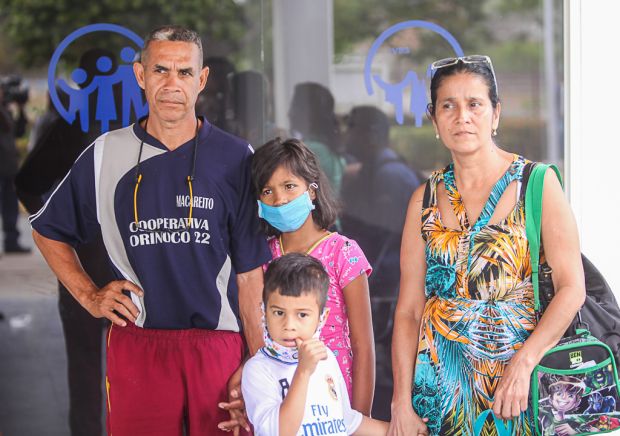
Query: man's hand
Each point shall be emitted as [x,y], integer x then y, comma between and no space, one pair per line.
[310,352]
[235,405]
[110,301]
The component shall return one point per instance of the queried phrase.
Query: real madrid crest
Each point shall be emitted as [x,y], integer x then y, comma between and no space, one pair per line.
[331,387]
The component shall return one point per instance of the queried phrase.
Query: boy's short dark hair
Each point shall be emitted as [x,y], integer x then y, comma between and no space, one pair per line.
[295,274]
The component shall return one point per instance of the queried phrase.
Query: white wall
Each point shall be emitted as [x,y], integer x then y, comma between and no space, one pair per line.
[593,129]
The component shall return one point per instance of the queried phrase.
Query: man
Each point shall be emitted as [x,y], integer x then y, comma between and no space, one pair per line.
[172,197]
[9,130]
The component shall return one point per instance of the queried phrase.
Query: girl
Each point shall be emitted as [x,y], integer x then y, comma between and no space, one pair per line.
[297,206]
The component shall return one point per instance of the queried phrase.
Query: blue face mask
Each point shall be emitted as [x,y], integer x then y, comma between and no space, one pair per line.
[288,217]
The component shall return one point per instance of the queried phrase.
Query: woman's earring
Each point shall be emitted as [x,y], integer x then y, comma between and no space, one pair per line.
[494,132]
[437,135]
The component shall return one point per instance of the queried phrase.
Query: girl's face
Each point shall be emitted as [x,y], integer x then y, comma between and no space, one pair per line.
[283,187]
[464,116]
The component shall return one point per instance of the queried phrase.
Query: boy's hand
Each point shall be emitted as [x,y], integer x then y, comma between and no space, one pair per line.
[310,352]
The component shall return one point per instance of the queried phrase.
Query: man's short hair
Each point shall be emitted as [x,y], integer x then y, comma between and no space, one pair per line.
[295,274]
[172,33]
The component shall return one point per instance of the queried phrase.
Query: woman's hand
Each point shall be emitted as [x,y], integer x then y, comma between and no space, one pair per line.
[513,390]
[405,422]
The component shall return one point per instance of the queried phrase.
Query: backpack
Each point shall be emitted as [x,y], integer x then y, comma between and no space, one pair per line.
[600,313]
[574,388]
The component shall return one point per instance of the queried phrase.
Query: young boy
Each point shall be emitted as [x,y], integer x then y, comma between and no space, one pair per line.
[293,385]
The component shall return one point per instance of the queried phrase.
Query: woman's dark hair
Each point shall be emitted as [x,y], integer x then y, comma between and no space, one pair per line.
[301,161]
[295,274]
[481,69]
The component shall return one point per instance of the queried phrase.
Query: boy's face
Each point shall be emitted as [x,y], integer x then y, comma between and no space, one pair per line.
[290,318]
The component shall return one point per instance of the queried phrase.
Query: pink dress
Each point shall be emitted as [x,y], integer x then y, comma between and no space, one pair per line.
[344,261]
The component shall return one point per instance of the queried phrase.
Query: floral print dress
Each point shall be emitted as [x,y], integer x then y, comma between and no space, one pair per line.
[479,310]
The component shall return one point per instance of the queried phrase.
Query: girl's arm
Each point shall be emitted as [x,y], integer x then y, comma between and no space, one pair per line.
[357,301]
[407,319]
[561,245]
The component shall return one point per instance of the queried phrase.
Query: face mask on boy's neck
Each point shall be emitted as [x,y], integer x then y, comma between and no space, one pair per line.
[290,216]
[280,352]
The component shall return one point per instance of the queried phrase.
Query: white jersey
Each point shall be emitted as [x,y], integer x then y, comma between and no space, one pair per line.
[266,382]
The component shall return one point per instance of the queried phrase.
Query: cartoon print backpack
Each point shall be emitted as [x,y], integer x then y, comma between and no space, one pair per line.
[574,388]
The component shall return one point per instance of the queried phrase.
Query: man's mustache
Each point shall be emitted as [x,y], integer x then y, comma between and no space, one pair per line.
[171,97]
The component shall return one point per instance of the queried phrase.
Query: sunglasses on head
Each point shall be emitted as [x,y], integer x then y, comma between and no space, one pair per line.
[471,59]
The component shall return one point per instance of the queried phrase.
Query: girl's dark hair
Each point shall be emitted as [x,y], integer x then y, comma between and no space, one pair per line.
[301,161]
[295,274]
[481,69]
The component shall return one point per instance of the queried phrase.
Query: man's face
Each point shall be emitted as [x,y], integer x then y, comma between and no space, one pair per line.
[172,77]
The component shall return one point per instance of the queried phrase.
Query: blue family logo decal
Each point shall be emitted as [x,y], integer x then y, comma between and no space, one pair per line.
[96,85]
[395,92]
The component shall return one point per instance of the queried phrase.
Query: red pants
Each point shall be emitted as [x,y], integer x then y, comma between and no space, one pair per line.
[162,381]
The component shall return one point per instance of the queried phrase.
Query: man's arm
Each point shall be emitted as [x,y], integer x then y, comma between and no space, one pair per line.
[107,302]
[250,286]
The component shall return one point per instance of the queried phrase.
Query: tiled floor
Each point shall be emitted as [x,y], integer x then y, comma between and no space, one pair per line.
[33,384]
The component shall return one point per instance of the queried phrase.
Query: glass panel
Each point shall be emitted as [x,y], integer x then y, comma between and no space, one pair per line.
[34,388]
[379,80]
[349,77]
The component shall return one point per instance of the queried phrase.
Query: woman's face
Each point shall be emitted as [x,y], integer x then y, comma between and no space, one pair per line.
[464,116]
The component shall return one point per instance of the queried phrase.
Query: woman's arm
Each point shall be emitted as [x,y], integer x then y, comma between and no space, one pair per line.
[561,245]
[407,319]
[357,301]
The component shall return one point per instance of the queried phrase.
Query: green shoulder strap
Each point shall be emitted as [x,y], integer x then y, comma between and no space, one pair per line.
[533,217]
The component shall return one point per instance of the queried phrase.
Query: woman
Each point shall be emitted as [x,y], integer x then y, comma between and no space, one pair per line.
[466,276]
